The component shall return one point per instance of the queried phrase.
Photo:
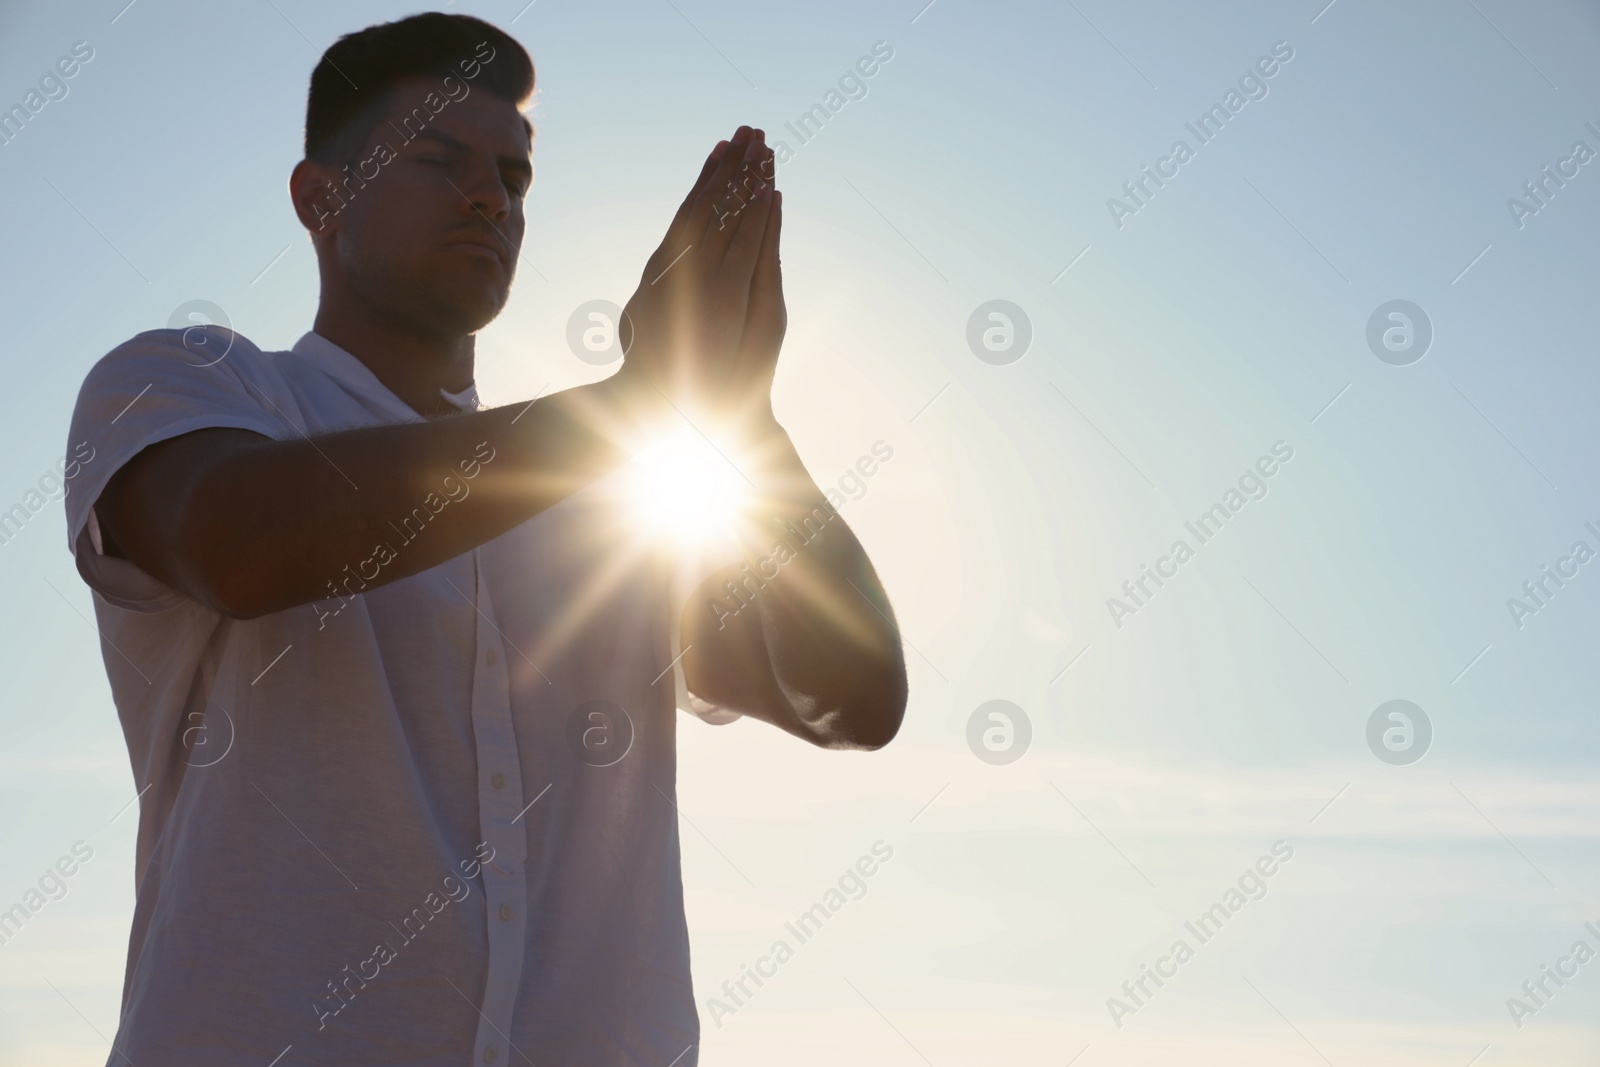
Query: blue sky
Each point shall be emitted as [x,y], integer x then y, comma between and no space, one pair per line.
[1171,747]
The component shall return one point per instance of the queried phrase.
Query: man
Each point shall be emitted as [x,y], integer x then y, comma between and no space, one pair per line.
[390,666]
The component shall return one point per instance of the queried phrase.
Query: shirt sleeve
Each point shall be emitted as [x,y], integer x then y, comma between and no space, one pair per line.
[159,385]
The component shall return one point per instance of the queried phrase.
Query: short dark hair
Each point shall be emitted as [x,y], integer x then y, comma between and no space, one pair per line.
[352,82]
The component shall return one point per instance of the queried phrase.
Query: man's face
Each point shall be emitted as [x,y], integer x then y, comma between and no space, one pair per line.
[430,227]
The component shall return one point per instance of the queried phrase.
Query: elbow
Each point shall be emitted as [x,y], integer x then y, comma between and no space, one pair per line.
[224,587]
[234,596]
[871,717]
[878,733]
[875,706]
[223,575]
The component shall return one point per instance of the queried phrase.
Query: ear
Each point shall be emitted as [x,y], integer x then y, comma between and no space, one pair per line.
[316,199]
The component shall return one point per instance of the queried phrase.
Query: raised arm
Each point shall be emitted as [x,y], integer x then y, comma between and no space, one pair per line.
[800,633]
[249,525]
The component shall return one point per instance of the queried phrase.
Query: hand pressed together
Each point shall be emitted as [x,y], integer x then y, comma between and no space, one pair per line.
[706,323]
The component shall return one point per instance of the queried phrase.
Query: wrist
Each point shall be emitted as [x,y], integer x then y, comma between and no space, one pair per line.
[751,430]
[640,411]
[784,487]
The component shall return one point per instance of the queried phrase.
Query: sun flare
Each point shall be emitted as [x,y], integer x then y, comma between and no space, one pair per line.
[686,490]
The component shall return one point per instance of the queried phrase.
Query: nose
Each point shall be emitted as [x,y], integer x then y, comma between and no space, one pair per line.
[486,194]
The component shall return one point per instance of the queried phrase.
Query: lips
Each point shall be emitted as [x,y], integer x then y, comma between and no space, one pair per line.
[488,243]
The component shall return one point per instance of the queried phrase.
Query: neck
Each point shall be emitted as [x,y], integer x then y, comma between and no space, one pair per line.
[412,367]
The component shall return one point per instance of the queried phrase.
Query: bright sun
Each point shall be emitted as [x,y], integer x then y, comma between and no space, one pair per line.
[686,490]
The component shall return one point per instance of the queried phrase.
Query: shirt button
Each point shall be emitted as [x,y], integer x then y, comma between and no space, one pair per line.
[506,911]
[498,780]
[490,657]
[489,1053]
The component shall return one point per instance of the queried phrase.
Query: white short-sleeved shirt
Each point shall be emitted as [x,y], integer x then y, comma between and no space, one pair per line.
[428,823]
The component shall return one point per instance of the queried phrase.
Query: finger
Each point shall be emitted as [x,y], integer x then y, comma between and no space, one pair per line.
[768,278]
[712,160]
[743,207]
[700,214]
[765,317]
[673,242]
[745,241]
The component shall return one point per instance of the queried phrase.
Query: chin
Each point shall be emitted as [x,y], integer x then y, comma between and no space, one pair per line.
[434,303]
[468,312]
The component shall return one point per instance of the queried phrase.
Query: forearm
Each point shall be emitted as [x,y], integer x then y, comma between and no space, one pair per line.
[828,585]
[808,593]
[282,523]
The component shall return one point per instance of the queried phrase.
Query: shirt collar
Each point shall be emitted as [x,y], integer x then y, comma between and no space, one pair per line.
[340,364]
